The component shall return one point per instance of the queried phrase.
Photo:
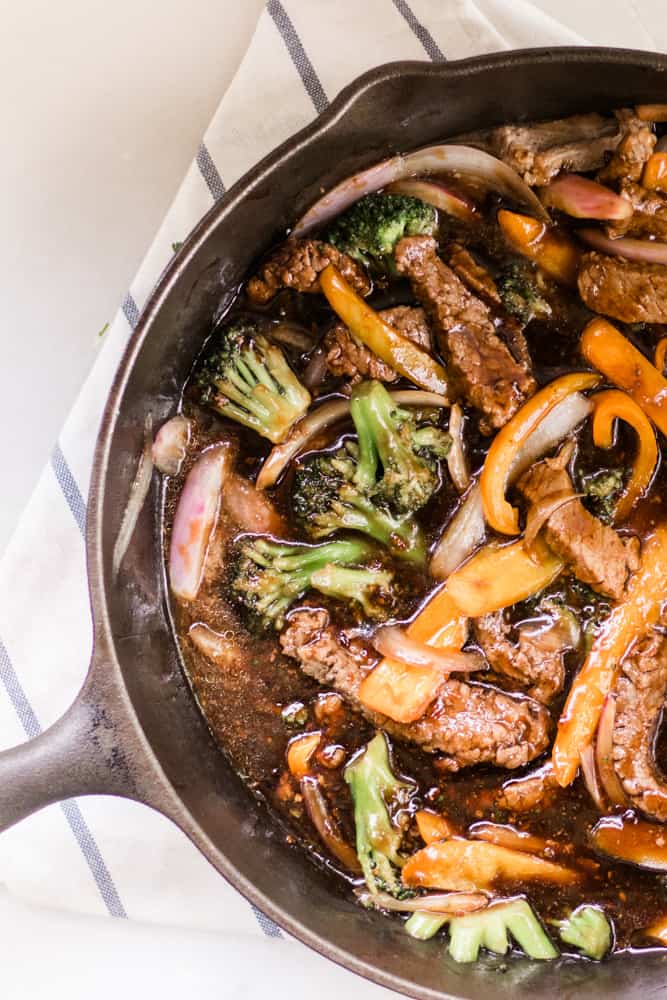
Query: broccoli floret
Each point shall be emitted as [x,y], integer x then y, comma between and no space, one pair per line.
[391,441]
[517,287]
[370,229]
[374,787]
[270,576]
[327,499]
[603,489]
[490,929]
[246,378]
[588,929]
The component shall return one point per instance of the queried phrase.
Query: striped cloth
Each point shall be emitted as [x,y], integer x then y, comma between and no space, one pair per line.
[104,855]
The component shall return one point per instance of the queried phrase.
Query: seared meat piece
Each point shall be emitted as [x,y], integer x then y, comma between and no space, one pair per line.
[640,697]
[631,291]
[467,723]
[650,217]
[532,790]
[347,357]
[632,152]
[297,264]
[534,662]
[481,366]
[592,550]
[472,274]
[539,150]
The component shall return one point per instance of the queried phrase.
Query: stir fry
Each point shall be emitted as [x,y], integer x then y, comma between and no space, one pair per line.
[417,536]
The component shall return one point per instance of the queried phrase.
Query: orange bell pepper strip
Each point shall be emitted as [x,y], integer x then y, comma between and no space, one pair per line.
[498,576]
[299,752]
[554,252]
[636,612]
[655,172]
[499,514]
[379,337]
[619,361]
[465,865]
[402,691]
[614,405]
[661,355]
[433,826]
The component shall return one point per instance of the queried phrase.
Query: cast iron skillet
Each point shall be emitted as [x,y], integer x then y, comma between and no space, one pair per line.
[135,729]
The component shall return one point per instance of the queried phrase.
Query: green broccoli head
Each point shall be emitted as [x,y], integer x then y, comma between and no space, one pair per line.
[391,441]
[370,229]
[603,488]
[246,378]
[271,575]
[519,292]
[375,790]
[588,929]
[326,498]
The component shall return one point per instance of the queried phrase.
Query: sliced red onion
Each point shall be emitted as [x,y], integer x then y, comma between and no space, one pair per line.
[219,647]
[318,420]
[451,903]
[249,507]
[325,824]
[457,462]
[170,445]
[583,198]
[648,251]
[604,754]
[392,641]
[316,369]
[291,335]
[195,519]
[436,194]
[466,530]
[539,513]
[590,776]
[507,836]
[463,161]
[138,493]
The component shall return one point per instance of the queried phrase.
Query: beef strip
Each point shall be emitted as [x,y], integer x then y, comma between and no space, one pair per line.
[539,788]
[650,213]
[297,264]
[592,550]
[346,357]
[539,150]
[535,661]
[637,140]
[480,364]
[472,274]
[468,723]
[640,696]
[630,291]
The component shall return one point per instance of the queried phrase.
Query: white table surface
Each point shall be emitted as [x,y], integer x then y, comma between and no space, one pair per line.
[91,89]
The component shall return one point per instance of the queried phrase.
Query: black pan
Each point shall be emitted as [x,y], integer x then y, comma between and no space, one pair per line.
[135,729]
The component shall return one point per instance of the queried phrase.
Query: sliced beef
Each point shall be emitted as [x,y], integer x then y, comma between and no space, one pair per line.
[468,723]
[539,150]
[534,661]
[472,274]
[650,213]
[640,697]
[593,551]
[481,366]
[530,791]
[297,264]
[636,144]
[348,358]
[630,291]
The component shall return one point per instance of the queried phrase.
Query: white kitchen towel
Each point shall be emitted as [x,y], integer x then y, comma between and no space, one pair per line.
[105,855]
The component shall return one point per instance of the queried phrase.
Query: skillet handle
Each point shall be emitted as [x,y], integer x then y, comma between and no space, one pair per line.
[91,749]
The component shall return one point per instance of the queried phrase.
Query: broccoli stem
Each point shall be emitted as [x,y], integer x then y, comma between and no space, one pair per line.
[424,925]
[378,839]
[490,929]
[366,586]
[588,929]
